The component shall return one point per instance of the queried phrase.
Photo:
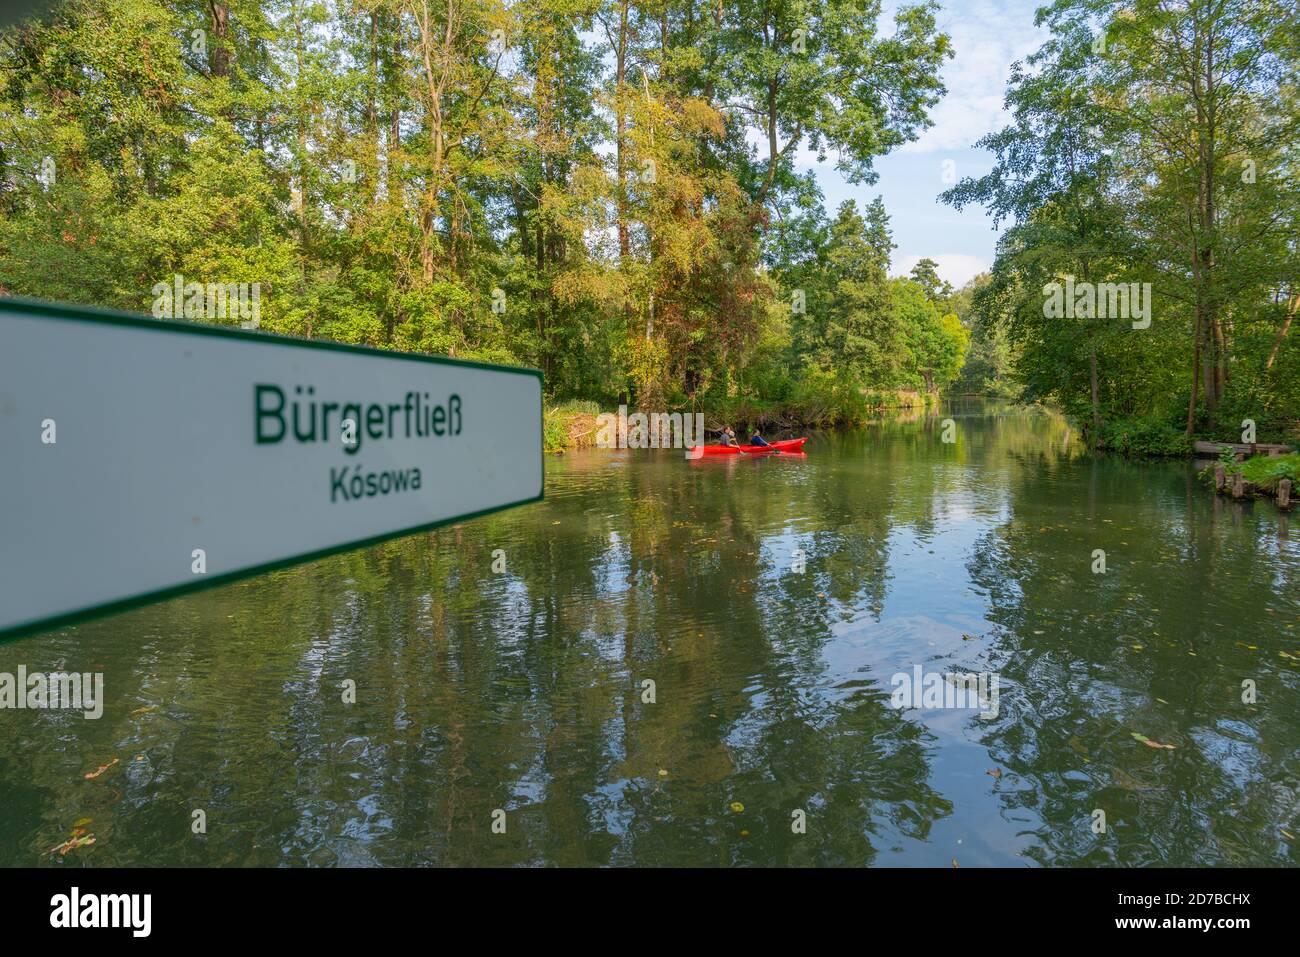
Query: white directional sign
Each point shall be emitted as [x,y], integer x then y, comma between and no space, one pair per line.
[141,459]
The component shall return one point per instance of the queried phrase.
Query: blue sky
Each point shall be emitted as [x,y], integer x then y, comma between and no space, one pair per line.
[988,35]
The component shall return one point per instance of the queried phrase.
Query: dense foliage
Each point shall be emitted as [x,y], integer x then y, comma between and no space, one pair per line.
[1152,142]
[603,189]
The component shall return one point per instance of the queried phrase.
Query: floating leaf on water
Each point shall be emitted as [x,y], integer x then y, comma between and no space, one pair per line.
[1151,744]
[966,637]
[145,710]
[83,822]
[996,773]
[90,776]
[737,806]
[1078,746]
[73,843]
[663,773]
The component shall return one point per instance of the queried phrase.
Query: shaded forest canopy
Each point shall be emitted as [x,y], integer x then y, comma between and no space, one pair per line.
[607,190]
[603,190]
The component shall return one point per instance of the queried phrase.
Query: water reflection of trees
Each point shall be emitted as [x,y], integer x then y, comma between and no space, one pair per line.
[522,691]
[519,691]
[1157,646]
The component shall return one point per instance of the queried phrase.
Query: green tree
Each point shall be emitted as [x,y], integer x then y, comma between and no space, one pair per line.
[848,328]
[926,274]
[795,72]
[935,342]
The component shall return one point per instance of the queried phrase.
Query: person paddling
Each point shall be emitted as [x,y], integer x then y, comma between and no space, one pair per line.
[729,439]
[757,439]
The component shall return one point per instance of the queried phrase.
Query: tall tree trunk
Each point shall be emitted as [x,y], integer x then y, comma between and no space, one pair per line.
[1281,333]
[1213,345]
[1220,358]
[1205,345]
[303,117]
[393,186]
[1094,377]
[773,153]
[436,80]
[221,36]
[624,239]
[372,83]
[1196,379]
[1095,389]
[372,114]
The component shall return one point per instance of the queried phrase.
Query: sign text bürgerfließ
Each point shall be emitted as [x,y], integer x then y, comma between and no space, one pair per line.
[142,459]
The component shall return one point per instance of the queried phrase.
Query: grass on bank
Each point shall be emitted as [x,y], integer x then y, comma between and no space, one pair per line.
[1265,473]
[569,425]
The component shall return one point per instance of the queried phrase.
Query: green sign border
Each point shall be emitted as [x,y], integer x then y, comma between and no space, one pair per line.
[117,317]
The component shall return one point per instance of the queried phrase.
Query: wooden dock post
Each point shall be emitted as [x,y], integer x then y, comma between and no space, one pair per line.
[1238,485]
[1284,493]
[1220,477]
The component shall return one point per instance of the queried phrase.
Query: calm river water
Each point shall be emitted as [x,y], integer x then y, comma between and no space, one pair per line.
[524,691]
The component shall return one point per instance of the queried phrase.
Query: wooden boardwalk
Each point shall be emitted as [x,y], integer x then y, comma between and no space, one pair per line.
[1242,449]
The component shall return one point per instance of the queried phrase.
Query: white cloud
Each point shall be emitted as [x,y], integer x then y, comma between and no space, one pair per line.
[955,268]
[987,37]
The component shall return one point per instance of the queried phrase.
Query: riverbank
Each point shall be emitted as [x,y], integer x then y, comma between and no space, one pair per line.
[1149,438]
[568,426]
[1274,476]
[572,425]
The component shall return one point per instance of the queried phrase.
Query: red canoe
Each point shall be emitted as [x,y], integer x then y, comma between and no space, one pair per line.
[784,445]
